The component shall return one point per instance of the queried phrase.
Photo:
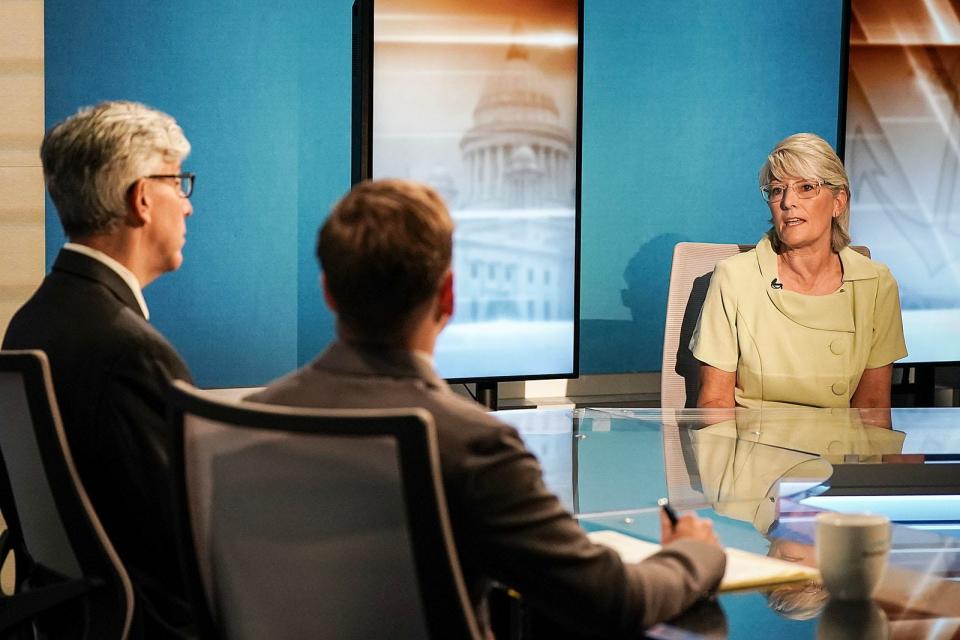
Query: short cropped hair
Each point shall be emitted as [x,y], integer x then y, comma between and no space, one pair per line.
[808,156]
[384,251]
[91,159]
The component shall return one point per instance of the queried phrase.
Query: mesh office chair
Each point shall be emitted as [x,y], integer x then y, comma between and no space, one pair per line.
[693,264]
[308,523]
[69,581]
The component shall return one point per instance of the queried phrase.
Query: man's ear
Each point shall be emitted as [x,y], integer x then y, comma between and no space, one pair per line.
[327,296]
[445,297]
[138,204]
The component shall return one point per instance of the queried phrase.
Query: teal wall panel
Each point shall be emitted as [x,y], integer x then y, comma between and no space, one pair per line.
[681,102]
[263,94]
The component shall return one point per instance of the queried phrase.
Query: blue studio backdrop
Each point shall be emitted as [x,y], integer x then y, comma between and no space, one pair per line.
[681,103]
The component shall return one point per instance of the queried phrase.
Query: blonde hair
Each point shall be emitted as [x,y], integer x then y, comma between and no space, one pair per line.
[803,601]
[808,156]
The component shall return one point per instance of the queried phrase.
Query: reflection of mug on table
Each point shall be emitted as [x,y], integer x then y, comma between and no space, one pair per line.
[852,553]
[853,621]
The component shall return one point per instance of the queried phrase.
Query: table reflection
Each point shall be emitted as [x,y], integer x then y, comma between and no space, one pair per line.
[761,476]
[742,464]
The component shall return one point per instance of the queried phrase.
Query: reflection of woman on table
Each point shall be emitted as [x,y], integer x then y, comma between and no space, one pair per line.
[740,476]
[739,464]
[803,319]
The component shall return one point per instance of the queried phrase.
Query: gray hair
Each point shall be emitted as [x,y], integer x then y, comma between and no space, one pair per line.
[91,159]
[808,156]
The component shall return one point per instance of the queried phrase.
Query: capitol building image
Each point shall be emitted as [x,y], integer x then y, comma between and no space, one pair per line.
[517,154]
[515,206]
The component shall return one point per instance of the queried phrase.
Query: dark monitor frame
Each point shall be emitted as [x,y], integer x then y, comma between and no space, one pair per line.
[844,79]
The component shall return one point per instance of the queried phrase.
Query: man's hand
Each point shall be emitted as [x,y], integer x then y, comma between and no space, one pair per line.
[688,526]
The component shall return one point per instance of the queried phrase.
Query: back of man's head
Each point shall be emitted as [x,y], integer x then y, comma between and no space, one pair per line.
[91,159]
[384,251]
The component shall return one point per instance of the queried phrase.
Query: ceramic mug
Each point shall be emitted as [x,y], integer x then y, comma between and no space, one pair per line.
[852,551]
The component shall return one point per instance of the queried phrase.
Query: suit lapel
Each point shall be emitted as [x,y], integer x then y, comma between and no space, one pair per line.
[79,265]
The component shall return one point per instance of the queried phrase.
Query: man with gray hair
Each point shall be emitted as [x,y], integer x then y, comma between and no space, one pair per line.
[113,171]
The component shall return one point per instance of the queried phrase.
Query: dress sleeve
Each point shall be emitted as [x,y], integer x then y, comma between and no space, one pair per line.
[714,340]
[887,344]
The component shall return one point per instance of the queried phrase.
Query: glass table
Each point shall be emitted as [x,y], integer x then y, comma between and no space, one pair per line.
[761,476]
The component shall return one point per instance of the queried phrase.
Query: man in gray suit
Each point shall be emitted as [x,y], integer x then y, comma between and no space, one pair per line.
[386,252]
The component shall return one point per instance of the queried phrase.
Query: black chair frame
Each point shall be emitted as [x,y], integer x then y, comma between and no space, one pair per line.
[444,596]
[103,597]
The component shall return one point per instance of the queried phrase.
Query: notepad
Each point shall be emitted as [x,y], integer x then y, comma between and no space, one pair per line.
[745,570]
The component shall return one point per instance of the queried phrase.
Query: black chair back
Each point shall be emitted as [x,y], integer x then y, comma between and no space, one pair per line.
[309,523]
[66,574]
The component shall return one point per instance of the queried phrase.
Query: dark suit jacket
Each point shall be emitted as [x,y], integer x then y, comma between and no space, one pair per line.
[507,525]
[110,368]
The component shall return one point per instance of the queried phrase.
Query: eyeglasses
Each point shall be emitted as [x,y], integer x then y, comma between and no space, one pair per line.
[804,189]
[184,181]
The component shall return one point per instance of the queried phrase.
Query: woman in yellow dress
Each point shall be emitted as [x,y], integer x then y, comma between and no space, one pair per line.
[802,319]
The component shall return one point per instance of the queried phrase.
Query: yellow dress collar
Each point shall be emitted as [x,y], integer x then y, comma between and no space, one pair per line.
[831,312]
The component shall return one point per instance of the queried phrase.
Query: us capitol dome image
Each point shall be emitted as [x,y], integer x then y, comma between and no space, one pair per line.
[517,154]
[514,210]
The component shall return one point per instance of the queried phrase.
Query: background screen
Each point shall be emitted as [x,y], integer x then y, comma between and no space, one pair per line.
[902,151]
[480,101]
[681,105]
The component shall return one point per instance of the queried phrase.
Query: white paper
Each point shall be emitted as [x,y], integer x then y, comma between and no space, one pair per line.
[744,569]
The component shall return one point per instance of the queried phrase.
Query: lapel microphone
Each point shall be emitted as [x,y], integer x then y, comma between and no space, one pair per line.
[774,284]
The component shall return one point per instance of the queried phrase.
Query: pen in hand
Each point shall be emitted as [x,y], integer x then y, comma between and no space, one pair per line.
[665,505]
[689,527]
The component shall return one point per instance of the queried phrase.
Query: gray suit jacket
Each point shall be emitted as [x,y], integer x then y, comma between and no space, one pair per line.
[507,525]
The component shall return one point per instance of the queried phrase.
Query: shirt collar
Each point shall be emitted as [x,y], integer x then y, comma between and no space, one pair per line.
[831,312]
[855,265]
[118,268]
[356,359]
[425,357]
